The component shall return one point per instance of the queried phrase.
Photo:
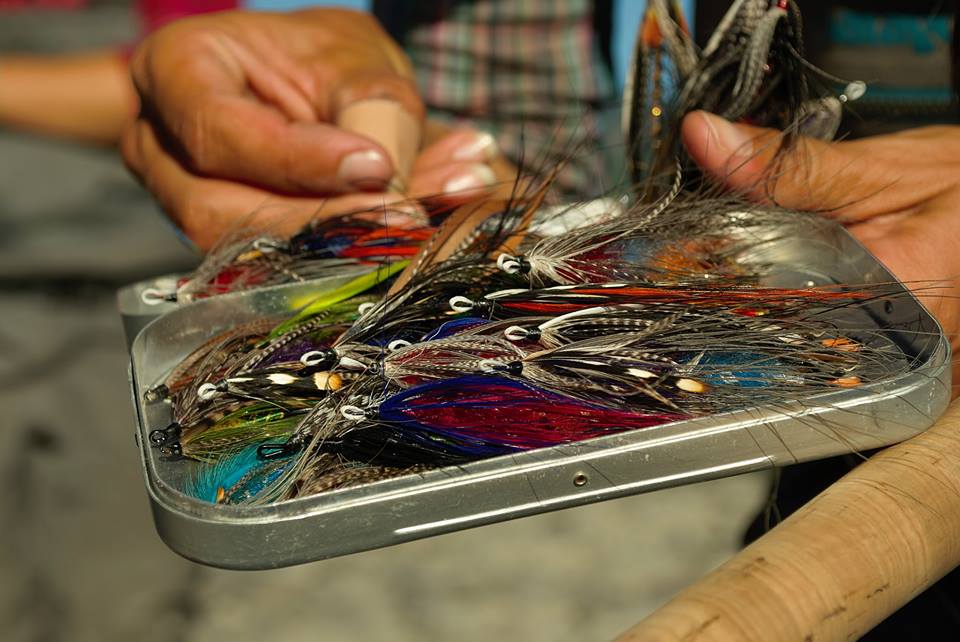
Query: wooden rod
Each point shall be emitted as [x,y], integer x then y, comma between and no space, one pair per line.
[841,564]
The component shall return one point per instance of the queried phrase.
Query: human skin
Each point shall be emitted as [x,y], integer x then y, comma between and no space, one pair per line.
[239,124]
[898,194]
[86,97]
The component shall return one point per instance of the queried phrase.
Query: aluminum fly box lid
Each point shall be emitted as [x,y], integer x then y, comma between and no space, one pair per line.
[506,487]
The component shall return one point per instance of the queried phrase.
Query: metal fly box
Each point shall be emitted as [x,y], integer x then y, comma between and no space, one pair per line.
[448,499]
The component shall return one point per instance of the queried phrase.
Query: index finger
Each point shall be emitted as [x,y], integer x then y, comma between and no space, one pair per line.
[220,128]
[854,180]
[389,124]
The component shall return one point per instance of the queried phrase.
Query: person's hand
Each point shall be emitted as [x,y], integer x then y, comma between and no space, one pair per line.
[252,118]
[898,194]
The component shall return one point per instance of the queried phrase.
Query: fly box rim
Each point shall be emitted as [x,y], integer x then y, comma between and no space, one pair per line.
[452,498]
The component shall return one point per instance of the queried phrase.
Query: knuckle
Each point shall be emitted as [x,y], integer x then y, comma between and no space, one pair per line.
[195,138]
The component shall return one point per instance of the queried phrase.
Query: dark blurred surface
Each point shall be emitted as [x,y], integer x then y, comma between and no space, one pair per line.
[78,557]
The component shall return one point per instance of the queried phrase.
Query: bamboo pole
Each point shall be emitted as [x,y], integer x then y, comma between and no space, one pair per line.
[841,564]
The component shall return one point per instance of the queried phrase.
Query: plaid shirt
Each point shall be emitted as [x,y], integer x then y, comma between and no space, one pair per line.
[528,71]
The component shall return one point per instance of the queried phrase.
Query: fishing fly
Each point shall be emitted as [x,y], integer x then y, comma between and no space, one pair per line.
[512,325]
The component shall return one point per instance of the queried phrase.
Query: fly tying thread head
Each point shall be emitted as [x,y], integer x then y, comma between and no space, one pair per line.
[513,264]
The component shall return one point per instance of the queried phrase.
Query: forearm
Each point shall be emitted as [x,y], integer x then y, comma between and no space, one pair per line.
[87,97]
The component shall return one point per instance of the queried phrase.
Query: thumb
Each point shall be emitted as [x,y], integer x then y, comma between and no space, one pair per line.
[386,109]
[809,175]
[387,123]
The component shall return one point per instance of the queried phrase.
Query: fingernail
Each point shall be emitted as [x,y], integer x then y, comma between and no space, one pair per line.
[482,147]
[407,212]
[728,137]
[407,219]
[477,176]
[367,169]
[407,215]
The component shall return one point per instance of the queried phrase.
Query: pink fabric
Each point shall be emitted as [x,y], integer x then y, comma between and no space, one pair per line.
[33,5]
[156,13]
[153,13]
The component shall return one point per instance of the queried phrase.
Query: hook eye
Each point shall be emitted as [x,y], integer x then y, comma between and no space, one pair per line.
[156,296]
[271,451]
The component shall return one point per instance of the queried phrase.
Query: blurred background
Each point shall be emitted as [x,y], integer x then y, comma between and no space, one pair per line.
[79,558]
